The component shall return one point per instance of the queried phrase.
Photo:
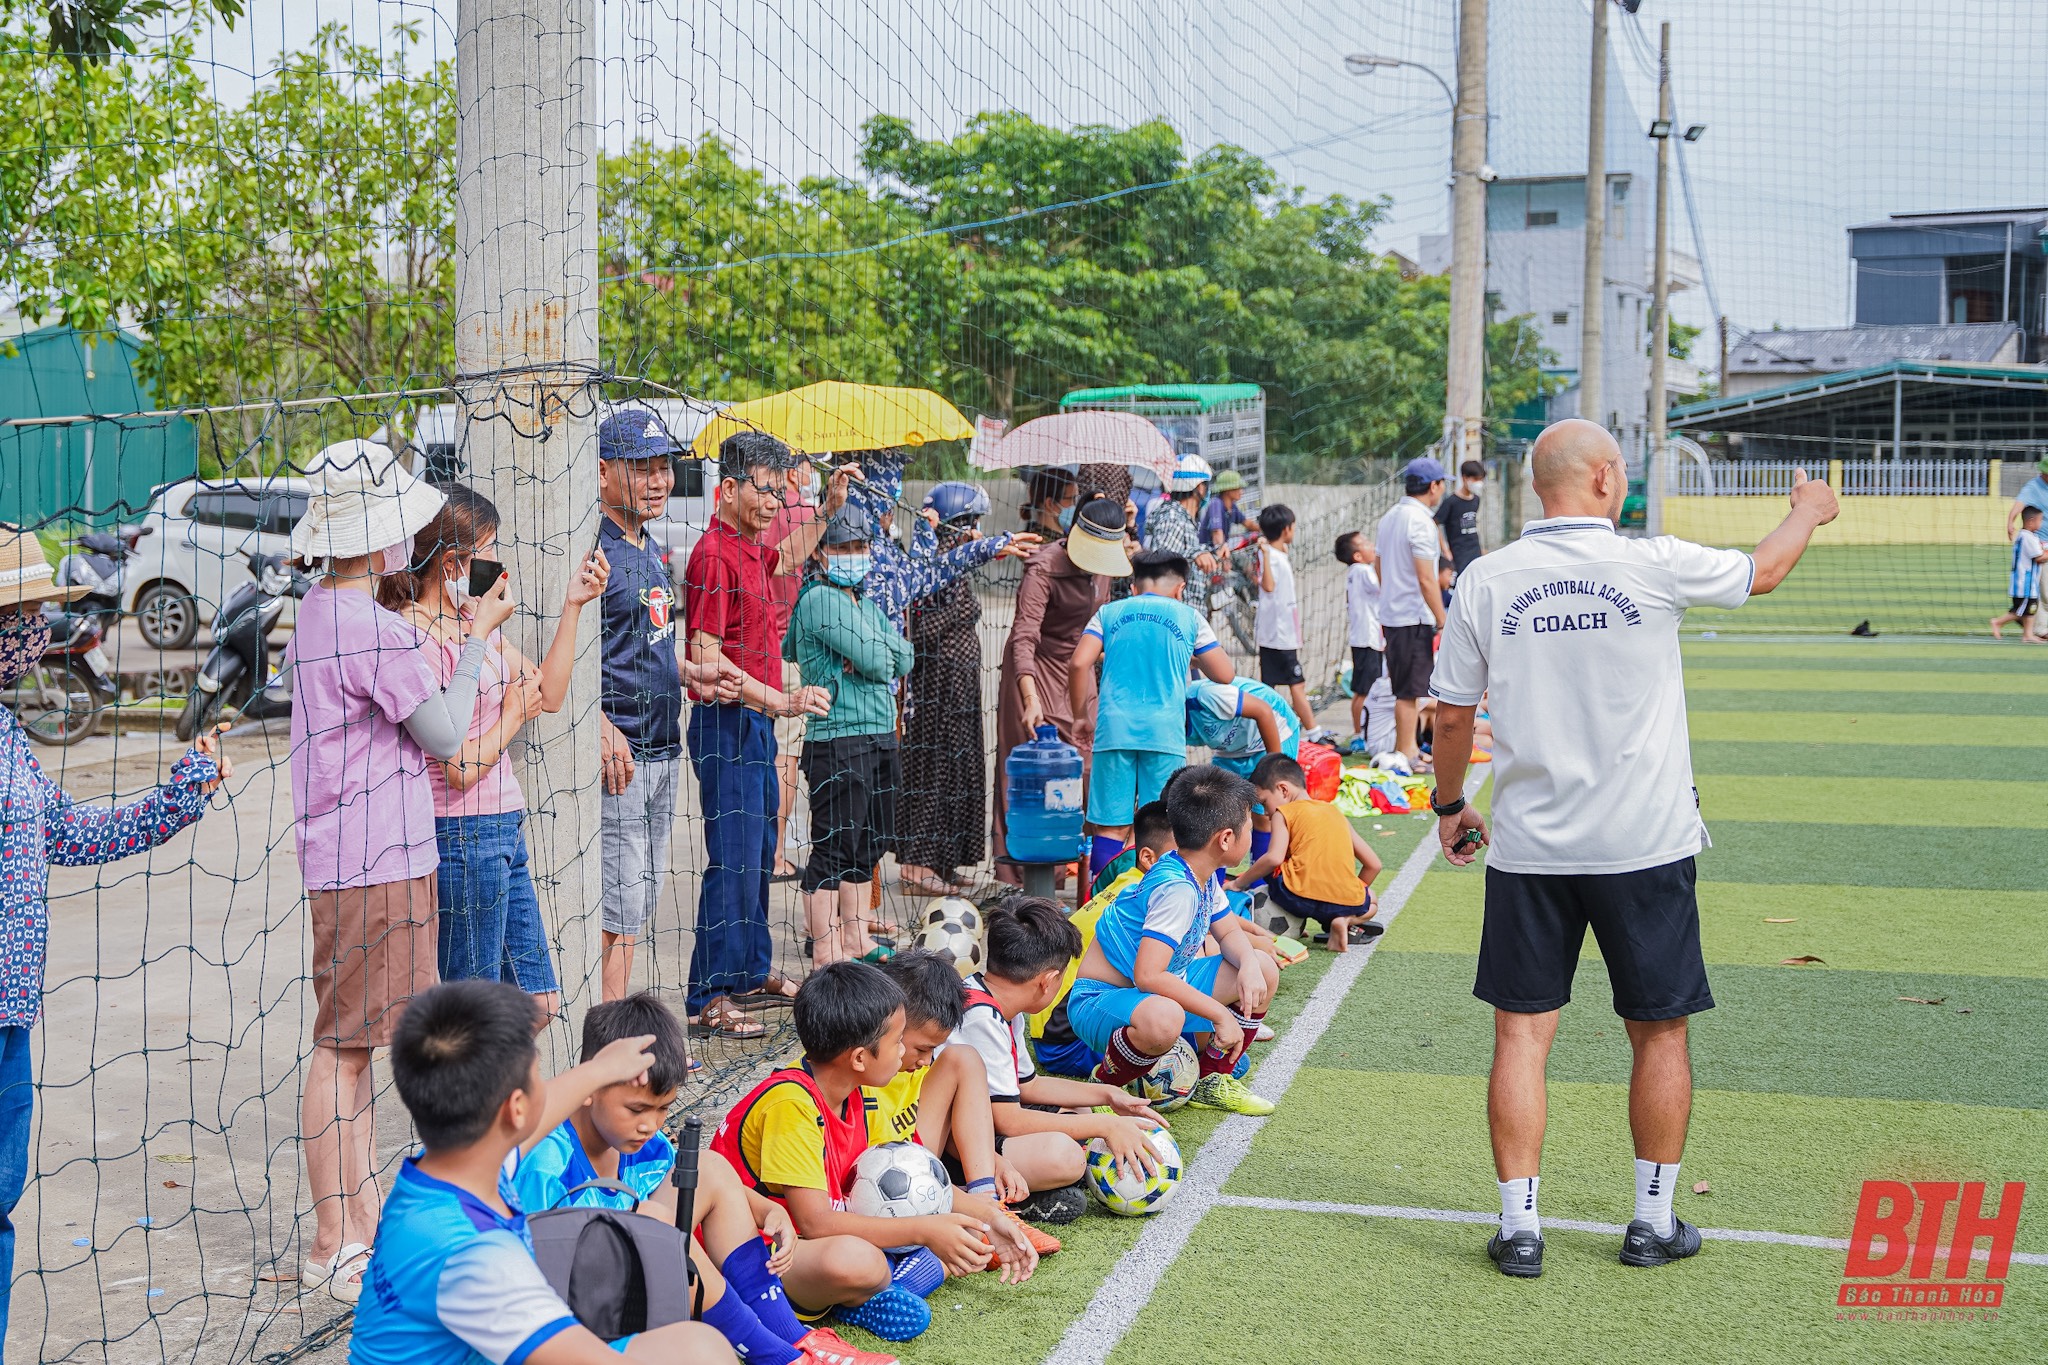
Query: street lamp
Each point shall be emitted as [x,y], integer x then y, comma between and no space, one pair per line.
[1364,63]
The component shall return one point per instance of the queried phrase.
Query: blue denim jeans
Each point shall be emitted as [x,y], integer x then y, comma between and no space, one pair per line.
[732,750]
[491,927]
[17,1103]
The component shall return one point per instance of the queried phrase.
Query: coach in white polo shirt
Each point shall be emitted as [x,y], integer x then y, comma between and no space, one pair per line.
[1411,603]
[1571,636]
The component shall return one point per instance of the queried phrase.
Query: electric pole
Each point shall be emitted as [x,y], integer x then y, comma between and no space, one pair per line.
[1660,287]
[1465,386]
[1591,305]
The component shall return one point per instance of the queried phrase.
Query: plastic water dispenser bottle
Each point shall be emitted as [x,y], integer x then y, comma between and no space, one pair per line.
[1043,779]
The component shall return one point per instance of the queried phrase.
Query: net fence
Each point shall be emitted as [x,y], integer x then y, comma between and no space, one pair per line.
[471,232]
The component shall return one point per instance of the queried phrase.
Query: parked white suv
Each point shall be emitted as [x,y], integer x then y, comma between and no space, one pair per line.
[201,534]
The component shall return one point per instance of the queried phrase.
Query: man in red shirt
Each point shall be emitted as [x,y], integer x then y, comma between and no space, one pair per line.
[729,613]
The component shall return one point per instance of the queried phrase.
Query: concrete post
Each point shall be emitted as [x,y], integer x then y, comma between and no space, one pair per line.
[526,351]
[1465,389]
[1592,307]
[1660,295]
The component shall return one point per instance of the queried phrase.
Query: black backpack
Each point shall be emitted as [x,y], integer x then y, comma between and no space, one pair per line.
[624,1272]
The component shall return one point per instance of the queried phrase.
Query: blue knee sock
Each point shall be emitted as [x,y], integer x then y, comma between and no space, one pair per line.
[1102,851]
[732,1319]
[746,1270]
[920,1272]
[1261,840]
[893,1315]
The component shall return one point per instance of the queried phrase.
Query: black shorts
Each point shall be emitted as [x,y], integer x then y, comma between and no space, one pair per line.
[1365,669]
[854,780]
[1319,912]
[1646,922]
[1411,653]
[2022,606]
[1280,667]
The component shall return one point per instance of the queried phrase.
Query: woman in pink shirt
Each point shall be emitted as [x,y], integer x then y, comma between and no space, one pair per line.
[367,714]
[490,921]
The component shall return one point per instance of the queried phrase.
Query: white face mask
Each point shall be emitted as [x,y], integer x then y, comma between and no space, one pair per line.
[393,559]
[457,590]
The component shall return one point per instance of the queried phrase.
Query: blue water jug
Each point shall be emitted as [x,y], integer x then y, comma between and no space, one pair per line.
[1042,777]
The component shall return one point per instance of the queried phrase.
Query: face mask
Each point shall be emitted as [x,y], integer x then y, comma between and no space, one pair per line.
[396,559]
[847,570]
[23,638]
[1066,518]
[457,590]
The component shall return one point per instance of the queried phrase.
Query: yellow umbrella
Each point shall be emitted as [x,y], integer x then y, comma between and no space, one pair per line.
[818,419]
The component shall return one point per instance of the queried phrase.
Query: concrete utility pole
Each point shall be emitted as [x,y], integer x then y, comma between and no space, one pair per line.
[1660,289]
[1465,387]
[526,353]
[1591,305]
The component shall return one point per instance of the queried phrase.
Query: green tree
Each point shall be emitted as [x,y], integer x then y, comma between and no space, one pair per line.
[90,32]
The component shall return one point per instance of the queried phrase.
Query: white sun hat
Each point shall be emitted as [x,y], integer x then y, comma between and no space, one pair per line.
[363,501]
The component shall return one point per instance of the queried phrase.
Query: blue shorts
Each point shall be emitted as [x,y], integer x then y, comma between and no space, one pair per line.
[1124,779]
[1096,1009]
[1074,1058]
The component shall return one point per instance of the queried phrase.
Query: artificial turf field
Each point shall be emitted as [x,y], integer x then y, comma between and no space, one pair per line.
[1885,798]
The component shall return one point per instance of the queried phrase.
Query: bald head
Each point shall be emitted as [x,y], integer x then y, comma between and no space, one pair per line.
[1577,470]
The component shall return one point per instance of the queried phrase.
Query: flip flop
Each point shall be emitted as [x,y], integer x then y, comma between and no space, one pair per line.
[723,1019]
[777,992]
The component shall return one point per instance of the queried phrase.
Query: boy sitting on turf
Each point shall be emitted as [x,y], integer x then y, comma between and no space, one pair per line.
[1142,982]
[940,1098]
[1052,1036]
[453,1279]
[796,1136]
[1045,1122]
[1309,867]
[615,1134]
[1145,643]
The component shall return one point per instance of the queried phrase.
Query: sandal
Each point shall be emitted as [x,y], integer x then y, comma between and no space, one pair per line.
[343,1274]
[721,1018]
[776,992]
[924,886]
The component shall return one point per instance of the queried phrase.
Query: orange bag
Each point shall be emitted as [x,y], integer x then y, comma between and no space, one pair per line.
[1324,769]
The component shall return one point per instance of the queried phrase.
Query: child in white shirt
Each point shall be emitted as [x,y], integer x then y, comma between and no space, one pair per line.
[1276,626]
[1362,608]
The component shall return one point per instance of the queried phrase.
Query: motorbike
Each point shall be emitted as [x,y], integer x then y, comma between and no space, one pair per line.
[241,671]
[101,564]
[61,699]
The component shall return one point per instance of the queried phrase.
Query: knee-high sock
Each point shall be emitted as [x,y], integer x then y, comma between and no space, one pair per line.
[1123,1061]
[746,1270]
[1261,839]
[733,1319]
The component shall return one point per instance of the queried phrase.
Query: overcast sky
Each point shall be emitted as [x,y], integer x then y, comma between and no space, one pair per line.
[1820,113]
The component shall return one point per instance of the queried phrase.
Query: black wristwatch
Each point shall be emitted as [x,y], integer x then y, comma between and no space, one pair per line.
[1446,812]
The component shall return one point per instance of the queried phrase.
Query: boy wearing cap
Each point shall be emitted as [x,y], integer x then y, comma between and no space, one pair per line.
[850,754]
[1411,602]
[1221,514]
[1170,527]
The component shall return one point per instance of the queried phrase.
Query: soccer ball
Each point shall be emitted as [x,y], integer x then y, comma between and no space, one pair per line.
[1133,1193]
[1277,922]
[953,927]
[1171,1080]
[899,1180]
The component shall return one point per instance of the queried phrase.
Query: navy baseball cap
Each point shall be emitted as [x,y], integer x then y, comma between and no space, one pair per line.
[635,434]
[1424,470]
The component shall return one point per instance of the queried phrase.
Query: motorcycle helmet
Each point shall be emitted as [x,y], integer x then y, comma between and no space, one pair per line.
[955,501]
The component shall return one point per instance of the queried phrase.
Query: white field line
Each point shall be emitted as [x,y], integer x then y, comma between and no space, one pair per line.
[1109,1315]
[1789,1239]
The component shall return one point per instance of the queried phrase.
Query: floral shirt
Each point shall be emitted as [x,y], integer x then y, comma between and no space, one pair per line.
[897,579]
[41,825]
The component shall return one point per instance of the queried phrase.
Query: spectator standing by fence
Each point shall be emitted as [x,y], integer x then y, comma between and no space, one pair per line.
[799,509]
[731,621]
[41,826]
[1170,527]
[1411,602]
[1220,515]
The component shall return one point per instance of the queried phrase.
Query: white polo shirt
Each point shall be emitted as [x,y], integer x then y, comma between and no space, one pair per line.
[1571,634]
[1406,533]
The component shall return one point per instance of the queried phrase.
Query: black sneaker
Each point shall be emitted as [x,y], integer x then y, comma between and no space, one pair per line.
[1641,1246]
[1062,1205]
[1520,1255]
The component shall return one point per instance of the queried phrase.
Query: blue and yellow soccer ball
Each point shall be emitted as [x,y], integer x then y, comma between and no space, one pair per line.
[1134,1194]
[1171,1080]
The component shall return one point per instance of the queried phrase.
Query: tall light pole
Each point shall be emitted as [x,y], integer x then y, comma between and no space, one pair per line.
[1660,289]
[1592,300]
[1465,355]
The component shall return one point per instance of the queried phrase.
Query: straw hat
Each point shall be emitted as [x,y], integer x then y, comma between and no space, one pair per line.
[25,573]
[363,500]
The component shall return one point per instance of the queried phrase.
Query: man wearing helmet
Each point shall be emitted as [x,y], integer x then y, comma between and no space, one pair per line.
[1170,528]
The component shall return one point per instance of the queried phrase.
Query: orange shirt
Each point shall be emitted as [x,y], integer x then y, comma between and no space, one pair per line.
[1319,864]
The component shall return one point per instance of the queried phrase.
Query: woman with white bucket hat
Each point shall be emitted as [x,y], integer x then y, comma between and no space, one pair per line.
[368,714]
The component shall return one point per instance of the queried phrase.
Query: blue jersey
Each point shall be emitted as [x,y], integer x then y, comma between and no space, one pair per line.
[1167,904]
[454,1281]
[558,1164]
[1216,719]
[1147,644]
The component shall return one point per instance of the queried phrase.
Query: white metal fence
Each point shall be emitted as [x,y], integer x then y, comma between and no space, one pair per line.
[1860,478]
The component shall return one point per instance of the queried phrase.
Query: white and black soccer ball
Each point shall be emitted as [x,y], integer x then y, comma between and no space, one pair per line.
[899,1180]
[1276,921]
[954,927]
[1134,1194]
[1171,1080]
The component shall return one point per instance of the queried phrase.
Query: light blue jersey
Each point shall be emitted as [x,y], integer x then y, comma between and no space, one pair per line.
[1216,721]
[453,1281]
[1167,904]
[558,1164]
[1147,643]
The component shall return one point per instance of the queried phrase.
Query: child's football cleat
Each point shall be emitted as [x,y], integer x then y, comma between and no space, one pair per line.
[1643,1247]
[893,1315]
[826,1347]
[1229,1093]
[1044,1243]
[1056,1206]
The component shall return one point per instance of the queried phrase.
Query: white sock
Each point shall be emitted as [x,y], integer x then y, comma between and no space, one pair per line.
[1518,1206]
[1655,1184]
